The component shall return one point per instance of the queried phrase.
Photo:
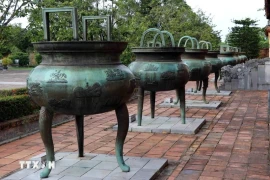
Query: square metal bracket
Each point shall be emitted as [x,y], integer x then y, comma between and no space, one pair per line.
[84,22]
[46,23]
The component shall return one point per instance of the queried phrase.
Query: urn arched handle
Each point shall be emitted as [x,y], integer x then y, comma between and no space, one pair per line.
[169,34]
[208,45]
[153,30]
[191,39]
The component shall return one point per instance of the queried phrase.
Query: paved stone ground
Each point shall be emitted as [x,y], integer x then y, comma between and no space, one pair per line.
[95,167]
[210,92]
[13,78]
[167,124]
[192,104]
[233,144]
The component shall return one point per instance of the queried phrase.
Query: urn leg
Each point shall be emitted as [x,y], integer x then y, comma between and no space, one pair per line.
[152,102]
[197,86]
[216,79]
[220,77]
[80,133]
[205,86]
[45,126]
[181,92]
[123,123]
[140,105]
[177,97]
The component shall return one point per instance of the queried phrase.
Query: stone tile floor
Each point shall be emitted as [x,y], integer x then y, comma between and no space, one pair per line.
[192,104]
[172,125]
[233,144]
[95,167]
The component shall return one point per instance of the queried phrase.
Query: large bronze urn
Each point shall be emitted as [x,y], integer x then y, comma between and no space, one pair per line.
[159,69]
[216,63]
[199,67]
[80,78]
[227,56]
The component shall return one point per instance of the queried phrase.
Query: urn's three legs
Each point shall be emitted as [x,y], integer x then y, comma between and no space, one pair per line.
[216,79]
[123,123]
[205,86]
[140,105]
[45,126]
[80,133]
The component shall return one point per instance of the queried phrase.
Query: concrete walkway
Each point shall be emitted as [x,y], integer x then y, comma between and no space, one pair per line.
[10,79]
[233,144]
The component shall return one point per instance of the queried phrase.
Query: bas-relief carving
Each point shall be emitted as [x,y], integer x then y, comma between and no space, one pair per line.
[89,91]
[58,77]
[114,74]
[35,89]
[151,79]
[168,75]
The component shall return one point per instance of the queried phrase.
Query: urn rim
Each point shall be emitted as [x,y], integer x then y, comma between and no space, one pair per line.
[80,46]
[158,49]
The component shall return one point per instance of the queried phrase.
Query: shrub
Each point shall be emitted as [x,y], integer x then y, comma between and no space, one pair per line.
[23,57]
[13,92]
[6,61]
[15,106]
[15,103]
[38,58]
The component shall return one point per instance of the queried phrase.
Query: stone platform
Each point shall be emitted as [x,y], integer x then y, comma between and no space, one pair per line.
[191,104]
[166,125]
[94,167]
[210,93]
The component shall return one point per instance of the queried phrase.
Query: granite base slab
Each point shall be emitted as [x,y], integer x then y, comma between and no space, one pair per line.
[166,125]
[210,93]
[192,104]
[95,167]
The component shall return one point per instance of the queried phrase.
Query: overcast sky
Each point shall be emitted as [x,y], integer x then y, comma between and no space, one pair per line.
[223,12]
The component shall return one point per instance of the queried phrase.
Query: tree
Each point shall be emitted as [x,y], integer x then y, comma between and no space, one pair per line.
[245,35]
[11,9]
[130,19]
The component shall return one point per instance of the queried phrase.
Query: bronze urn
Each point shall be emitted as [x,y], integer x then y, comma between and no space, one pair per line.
[80,78]
[199,67]
[159,69]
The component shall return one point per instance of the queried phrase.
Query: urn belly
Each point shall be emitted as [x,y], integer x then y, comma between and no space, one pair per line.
[81,78]
[199,67]
[159,69]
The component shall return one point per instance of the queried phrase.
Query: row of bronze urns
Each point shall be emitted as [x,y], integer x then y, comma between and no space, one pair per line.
[86,77]
[161,68]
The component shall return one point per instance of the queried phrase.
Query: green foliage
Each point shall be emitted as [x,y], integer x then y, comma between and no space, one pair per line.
[13,92]
[130,19]
[264,43]
[245,35]
[23,57]
[6,61]
[15,106]
[38,58]
[14,39]
[15,103]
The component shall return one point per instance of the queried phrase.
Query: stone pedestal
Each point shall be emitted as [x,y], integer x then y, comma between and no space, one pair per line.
[94,167]
[166,125]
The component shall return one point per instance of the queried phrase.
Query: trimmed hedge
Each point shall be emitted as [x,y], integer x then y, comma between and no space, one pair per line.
[15,103]
[13,92]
